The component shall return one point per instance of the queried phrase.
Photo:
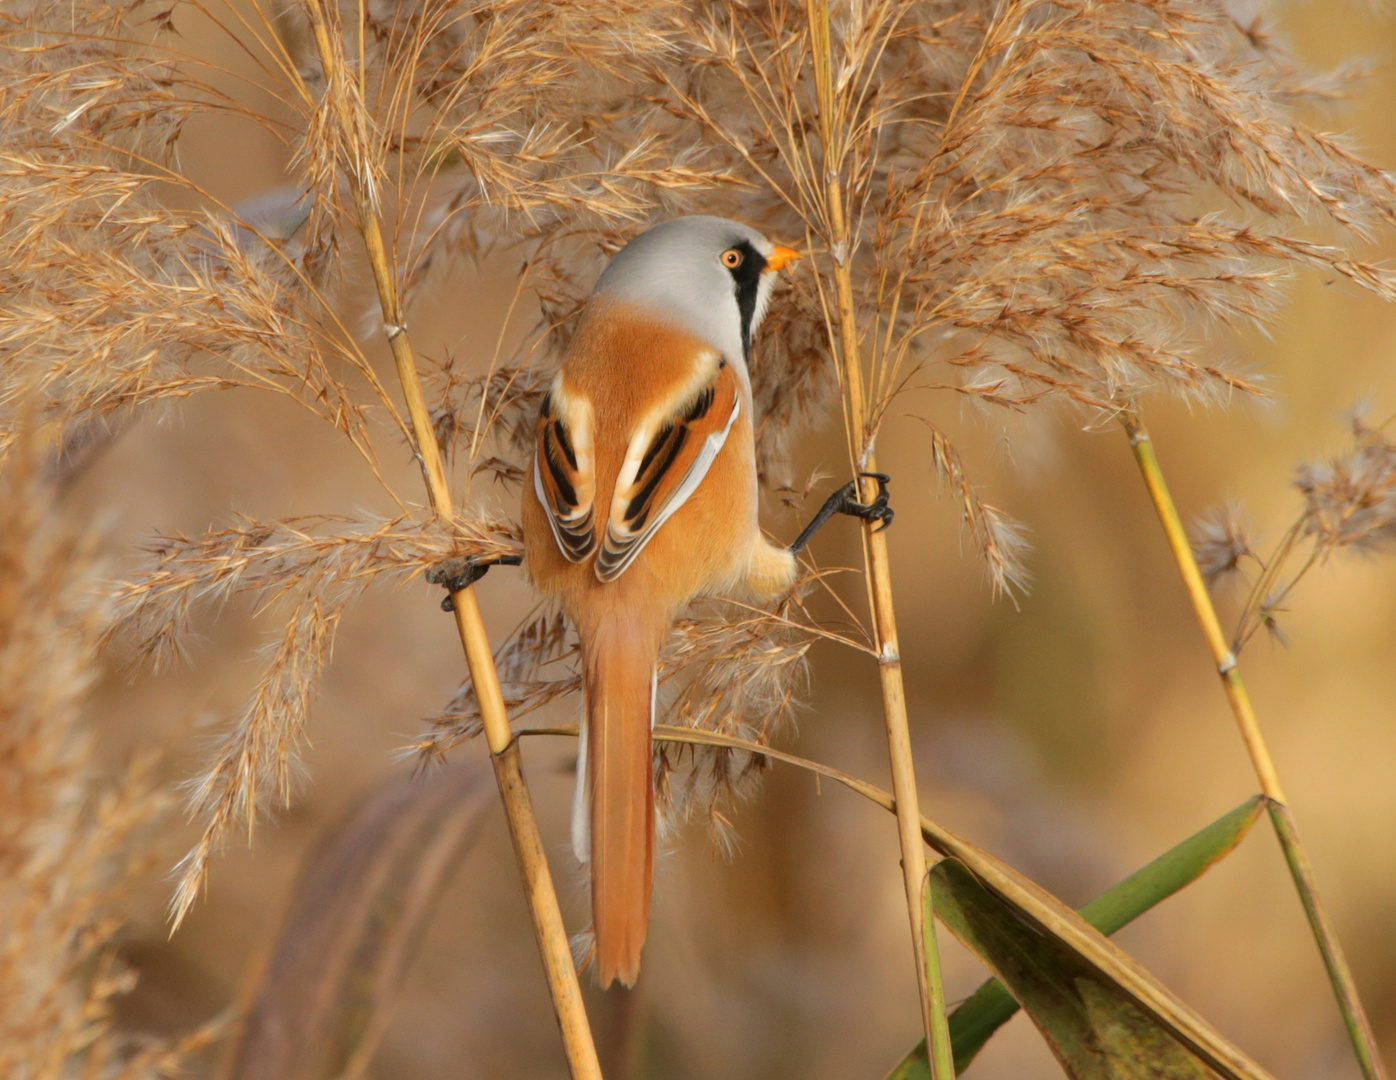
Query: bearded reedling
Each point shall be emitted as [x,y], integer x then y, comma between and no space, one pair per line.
[644,498]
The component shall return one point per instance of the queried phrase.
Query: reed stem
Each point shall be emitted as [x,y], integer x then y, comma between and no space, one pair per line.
[879,570]
[939,1050]
[1359,1029]
[551,934]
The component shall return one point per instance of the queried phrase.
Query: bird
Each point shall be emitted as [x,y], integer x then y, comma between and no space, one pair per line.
[641,499]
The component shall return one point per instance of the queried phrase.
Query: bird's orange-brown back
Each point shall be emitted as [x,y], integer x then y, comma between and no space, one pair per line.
[625,363]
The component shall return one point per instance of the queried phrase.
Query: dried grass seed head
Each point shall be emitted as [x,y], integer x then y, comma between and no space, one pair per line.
[1351,498]
[70,840]
[1221,538]
[1046,202]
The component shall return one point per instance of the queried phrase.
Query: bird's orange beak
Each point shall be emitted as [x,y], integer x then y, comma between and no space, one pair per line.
[781,257]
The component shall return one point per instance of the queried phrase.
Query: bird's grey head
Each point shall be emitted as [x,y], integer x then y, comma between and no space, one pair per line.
[710,275]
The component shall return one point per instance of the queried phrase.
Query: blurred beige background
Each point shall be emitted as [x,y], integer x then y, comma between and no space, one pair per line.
[1077,734]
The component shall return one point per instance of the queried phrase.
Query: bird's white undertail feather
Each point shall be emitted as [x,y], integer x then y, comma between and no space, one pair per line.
[581,799]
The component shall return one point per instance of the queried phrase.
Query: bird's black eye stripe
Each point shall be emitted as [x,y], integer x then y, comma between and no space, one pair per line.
[747,278]
[749,266]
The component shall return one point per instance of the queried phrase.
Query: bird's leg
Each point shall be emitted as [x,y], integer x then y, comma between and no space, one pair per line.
[845,501]
[463,571]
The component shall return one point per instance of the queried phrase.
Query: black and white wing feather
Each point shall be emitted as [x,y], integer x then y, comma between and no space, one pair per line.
[564,474]
[666,460]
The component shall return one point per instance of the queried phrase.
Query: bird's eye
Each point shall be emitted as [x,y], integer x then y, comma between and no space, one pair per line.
[731,258]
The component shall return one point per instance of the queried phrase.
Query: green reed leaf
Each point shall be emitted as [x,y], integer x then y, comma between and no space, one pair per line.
[991,1006]
[1094,1026]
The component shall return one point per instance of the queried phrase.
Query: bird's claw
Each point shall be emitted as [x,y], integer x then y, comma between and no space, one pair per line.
[845,501]
[879,510]
[462,571]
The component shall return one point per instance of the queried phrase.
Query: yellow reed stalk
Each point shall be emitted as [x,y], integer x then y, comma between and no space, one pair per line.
[543,905]
[1359,1029]
[878,566]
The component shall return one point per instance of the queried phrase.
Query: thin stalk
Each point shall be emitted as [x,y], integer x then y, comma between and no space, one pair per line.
[543,905]
[942,1058]
[1359,1029]
[879,569]
[1252,612]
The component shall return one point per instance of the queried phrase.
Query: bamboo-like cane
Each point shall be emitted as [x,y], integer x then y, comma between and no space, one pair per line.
[879,569]
[504,751]
[1359,1029]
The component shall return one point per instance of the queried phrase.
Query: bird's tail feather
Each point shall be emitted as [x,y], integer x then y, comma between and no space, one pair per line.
[617,774]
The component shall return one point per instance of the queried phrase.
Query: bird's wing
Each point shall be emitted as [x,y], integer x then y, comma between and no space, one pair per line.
[665,461]
[564,470]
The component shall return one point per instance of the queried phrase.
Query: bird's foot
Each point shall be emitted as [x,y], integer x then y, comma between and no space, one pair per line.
[845,501]
[462,571]
[879,510]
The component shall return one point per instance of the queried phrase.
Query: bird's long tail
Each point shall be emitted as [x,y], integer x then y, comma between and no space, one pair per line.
[616,780]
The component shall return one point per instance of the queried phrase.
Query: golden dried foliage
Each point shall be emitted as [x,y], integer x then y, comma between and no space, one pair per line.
[113,298]
[313,570]
[1046,201]
[69,838]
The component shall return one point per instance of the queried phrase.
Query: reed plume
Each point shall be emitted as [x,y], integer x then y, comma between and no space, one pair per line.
[1021,204]
[72,840]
